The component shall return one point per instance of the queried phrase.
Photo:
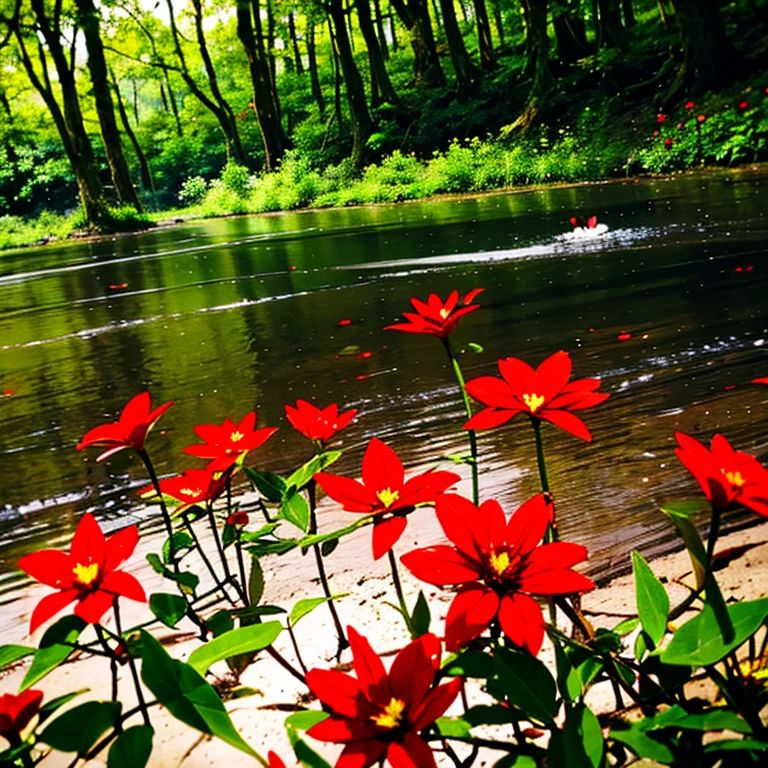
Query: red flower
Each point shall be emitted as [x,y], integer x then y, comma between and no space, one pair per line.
[238,518]
[725,475]
[317,424]
[543,394]
[499,565]
[88,574]
[275,761]
[378,715]
[193,486]
[227,443]
[689,105]
[435,317]
[760,381]
[668,143]
[701,118]
[656,134]
[661,118]
[130,431]
[680,126]
[743,104]
[16,712]
[385,490]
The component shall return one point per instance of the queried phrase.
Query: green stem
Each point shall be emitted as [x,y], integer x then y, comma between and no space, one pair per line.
[163,509]
[399,591]
[552,534]
[211,570]
[132,664]
[112,658]
[714,530]
[296,649]
[241,567]
[468,409]
[217,541]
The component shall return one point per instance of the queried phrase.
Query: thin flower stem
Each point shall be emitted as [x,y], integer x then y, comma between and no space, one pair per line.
[343,642]
[468,409]
[217,540]
[552,533]
[219,586]
[132,664]
[399,591]
[714,530]
[285,664]
[163,509]
[241,567]
[112,658]
[296,649]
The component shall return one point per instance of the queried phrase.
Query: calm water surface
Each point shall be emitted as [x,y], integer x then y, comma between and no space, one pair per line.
[231,315]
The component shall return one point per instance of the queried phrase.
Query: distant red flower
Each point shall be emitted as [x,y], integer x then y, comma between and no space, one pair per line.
[760,381]
[680,126]
[193,486]
[544,393]
[88,574]
[118,286]
[130,431]
[364,355]
[9,393]
[743,104]
[689,105]
[315,423]
[378,715]
[626,336]
[238,518]
[435,317]
[16,712]
[701,118]
[661,119]
[227,443]
[499,566]
[668,143]
[656,134]
[342,323]
[725,475]
[385,490]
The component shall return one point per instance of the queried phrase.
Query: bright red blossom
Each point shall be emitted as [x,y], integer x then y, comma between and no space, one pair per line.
[88,574]
[544,393]
[661,118]
[378,715]
[16,712]
[499,566]
[760,381]
[384,489]
[130,431]
[227,443]
[193,486]
[435,317]
[726,476]
[315,423]
[238,518]
[689,105]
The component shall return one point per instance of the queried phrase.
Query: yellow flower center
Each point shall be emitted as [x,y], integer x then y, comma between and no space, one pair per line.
[388,497]
[86,574]
[534,402]
[444,313]
[734,478]
[236,437]
[500,562]
[191,491]
[392,714]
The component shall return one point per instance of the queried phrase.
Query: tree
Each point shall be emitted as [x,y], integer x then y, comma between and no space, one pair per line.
[415,17]
[610,29]
[381,86]
[466,72]
[484,42]
[570,31]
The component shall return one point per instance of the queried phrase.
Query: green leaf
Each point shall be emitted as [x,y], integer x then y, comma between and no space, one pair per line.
[641,743]
[714,720]
[459,458]
[305,719]
[269,485]
[78,729]
[294,509]
[181,540]
[52,652]
[186,580]
[303,607]
[421,618]
[307,471]
[66,630]
[470,664]
[681,514]
[642,643]
[132,748]
[492,714]
[170,609]
[327,547]
[580,743]
[12,653]
[475,347]
[255,582]
[258,610]
[49,707]
[236,641]
[265,530]
[652,599]
[319,538]
[228,535]
[516,761]
[185,694]
[699,642]
[453,727]
[568,680]
[733,745]
[220,622]
[627,626]
[528,684]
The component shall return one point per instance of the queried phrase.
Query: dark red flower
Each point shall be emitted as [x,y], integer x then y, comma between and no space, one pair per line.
[661,119]
[499,566]
[238,518]
[743,104]
[726,476]
[225,445]
[680,126]
[16,712]
[384,490]
[760,381]
[668,143]
[656,134]
[544,393]
[435,317]
[87,574]
[315,423]
[689,105]
[378,715]
[193,486]
[130,431]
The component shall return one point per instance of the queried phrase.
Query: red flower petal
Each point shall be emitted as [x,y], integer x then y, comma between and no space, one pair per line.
[336,690]
[381,467]
[413,670]
[458,631]
[528,524]
[385,535]
[360,754]
[27,704]
[567,421]
[93,606]
[119,547]
[436,703]
[49,606]
[353,496]
[490,418]
[412,753]
[553,374]
[49,567]
[124,584]
[88,543]
[274,761]
[426,487]
[441,565]
[492,391]
[519,375]
[454,513]
[522,622]
[368,666]
[342,730]
[555,582]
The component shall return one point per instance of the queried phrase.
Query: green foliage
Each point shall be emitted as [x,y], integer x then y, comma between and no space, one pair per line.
[78,729]
[193,190]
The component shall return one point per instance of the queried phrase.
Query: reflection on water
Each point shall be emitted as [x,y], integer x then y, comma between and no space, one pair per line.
[230,315]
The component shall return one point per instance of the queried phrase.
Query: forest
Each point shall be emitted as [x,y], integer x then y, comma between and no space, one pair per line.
[116,115]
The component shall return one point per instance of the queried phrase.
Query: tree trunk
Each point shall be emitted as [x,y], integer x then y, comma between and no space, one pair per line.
[362,125]
[336,79]
[570,31]
[484,42]
[710,62]
[466,73]
[146,176]
[272,134]
[271,56]
[415,16]
[174,106]
[135,101]
[629,13]
[538,64]
[611,31]
[163,98]
[317,91]
[379,74]
[380,30]
[88,20]
[499,22]
[295,43]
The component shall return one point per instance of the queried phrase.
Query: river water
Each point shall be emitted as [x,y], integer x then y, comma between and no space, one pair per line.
[230,315]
